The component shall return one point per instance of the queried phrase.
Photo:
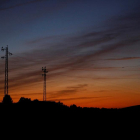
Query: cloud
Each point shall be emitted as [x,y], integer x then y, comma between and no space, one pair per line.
[72,53]
[124,58]
[68,91]
[80,98]
[23,79]
[57,63]
[92,44]
[73,89]
[80,86]
[27,94]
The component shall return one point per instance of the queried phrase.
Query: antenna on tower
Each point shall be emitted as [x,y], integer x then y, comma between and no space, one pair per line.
[6,68]
[44,87]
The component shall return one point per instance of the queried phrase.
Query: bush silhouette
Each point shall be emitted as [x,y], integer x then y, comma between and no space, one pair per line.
[73,106]
[24,100]
[36,100]
[7,99]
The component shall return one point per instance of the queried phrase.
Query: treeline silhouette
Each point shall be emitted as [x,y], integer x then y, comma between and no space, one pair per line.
[26,105]
[56,118]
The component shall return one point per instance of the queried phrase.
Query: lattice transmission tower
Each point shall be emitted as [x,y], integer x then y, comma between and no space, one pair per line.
[44,87]
[6,68]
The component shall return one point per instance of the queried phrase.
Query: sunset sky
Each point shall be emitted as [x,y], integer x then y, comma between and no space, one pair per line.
[91,49]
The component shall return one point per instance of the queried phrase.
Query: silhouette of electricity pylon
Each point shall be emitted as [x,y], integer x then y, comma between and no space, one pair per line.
[6,68]
[44,87]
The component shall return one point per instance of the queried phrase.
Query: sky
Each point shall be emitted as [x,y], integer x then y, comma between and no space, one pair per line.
[91,49]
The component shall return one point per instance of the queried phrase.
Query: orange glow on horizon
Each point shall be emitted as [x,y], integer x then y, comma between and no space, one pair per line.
[94,98]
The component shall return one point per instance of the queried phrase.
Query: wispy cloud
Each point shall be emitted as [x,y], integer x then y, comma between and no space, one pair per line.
[73,89]
[80,98]
[68,91]
[124,58]
[72,53]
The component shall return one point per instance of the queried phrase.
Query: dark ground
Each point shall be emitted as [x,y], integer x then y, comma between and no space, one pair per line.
[56,119]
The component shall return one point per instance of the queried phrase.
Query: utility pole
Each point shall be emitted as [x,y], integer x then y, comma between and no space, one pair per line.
[6,68]
[44,87]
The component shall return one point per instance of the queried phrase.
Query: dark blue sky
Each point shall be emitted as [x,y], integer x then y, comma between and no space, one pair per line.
[91,39]
[26,20]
